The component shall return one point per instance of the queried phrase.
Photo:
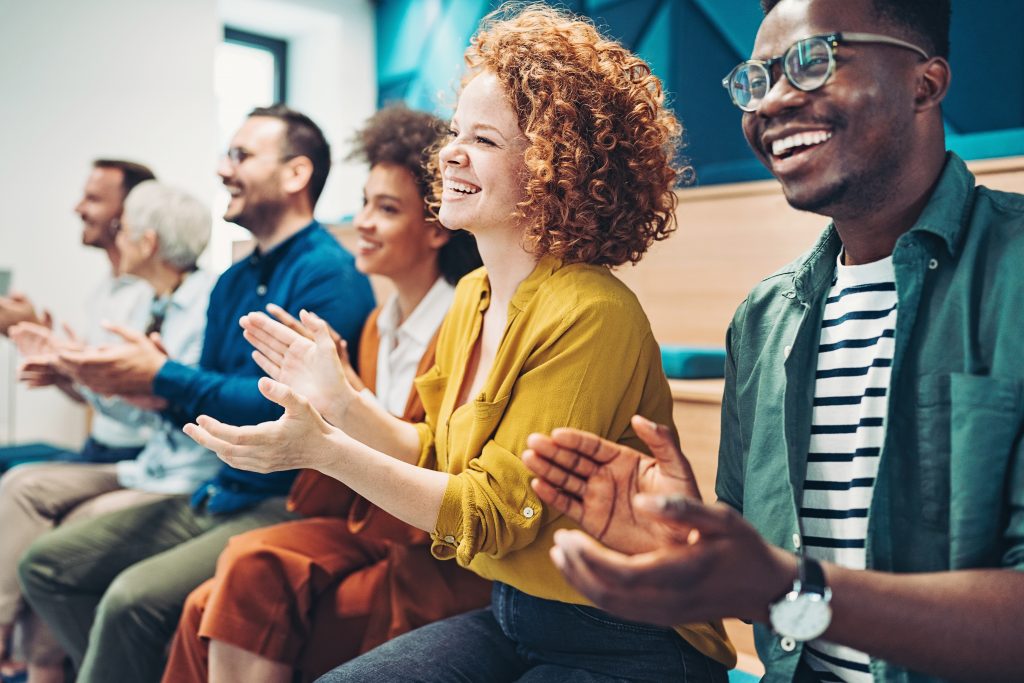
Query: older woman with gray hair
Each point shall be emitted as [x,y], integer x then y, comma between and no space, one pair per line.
[163,232]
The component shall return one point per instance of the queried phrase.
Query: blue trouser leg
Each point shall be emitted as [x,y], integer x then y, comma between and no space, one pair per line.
[523,638]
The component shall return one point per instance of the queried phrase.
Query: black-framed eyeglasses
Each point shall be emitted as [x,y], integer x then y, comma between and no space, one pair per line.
[807,65]
[238,155]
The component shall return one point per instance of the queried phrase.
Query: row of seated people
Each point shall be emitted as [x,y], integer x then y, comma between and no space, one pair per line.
[518,449]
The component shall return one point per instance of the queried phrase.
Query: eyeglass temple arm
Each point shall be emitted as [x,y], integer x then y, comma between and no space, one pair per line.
[875,38]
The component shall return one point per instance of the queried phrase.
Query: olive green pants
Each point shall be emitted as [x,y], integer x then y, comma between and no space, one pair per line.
[112,588]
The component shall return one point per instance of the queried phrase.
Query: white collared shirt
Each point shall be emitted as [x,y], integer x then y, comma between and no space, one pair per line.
[402,346]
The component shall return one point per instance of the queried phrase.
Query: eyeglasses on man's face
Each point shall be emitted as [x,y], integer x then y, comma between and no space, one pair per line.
[238,155]
[807,65]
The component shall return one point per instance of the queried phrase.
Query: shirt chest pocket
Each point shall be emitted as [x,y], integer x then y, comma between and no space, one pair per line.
[431,386]
[967,429]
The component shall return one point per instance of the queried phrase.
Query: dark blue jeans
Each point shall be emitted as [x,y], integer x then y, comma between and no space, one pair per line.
[523,638]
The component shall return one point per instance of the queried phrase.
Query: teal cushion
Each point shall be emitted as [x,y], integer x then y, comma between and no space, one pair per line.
[11,456]
[693,362]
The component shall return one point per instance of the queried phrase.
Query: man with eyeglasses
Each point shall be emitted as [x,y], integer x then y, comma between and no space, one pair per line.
[112,588]
[871,471]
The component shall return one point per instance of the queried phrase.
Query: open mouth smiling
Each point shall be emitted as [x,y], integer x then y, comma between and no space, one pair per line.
[786,147]
[460,187]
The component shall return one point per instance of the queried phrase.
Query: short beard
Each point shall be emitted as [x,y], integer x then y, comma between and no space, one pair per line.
[863,192]
[262,219]
[821,202]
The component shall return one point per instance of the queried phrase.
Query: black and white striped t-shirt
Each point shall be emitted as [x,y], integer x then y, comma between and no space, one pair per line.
[847,430]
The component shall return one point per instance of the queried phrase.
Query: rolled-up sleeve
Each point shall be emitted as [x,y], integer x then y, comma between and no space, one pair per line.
[592,370]
[488,508]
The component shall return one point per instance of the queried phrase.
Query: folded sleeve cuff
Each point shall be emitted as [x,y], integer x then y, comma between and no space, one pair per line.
[450,538]
[426,435]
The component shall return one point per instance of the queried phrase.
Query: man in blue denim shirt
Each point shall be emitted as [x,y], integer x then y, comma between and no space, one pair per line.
[133,570]
[849,121]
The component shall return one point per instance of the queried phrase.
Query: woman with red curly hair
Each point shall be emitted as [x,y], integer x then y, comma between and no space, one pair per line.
[560,162]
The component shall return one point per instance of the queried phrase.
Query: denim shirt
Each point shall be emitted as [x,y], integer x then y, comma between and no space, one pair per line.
[950,488]
[309,270]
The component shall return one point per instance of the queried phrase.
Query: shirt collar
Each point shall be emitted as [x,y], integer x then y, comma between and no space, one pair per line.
[266,263]
[424,320]
[273,256]
[387,319]
[945,215]
[817,269]
[527,288]
[948,209]
[191,288]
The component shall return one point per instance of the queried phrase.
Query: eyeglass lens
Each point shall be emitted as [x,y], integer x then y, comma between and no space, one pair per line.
[236,155]
[807,64]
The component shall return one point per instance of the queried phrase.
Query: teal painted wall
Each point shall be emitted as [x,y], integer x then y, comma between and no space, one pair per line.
[691,45]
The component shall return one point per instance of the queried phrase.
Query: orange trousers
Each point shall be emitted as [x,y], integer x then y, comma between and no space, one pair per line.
[313,594]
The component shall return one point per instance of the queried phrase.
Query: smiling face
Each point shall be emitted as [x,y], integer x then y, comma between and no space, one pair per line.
[394,235]
[100,206]
[255,181]
[482,165]
[840,149]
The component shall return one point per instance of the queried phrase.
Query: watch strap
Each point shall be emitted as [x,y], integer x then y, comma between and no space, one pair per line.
[812,576]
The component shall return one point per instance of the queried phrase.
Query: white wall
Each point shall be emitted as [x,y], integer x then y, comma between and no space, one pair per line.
[79,80]
[134,79]
[331,78]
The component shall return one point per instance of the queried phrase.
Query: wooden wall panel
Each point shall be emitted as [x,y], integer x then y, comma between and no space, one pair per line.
[729,238]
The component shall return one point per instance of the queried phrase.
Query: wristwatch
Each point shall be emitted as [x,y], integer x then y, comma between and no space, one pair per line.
[803,613]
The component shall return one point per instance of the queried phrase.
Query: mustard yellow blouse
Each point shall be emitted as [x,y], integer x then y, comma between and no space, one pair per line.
[577,352]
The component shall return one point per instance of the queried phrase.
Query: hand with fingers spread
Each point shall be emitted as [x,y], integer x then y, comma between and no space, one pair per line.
[293,441]
[33,339]
[308,364]
[41,371]
[124,369]
[724,569]
[17,308]
[293,323]
[594,481]
[40,346]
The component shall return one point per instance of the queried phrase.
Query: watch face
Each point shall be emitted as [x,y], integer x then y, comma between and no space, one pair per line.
[801,616]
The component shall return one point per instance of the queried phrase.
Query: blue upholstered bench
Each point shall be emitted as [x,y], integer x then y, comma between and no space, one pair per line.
[30,452]
[693,362]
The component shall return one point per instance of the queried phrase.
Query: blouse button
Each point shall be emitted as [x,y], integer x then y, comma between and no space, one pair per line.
[528,513]
[933,264]
[261,290]
[788,644]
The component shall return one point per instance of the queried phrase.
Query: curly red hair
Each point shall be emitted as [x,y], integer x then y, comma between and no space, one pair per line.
[602,144]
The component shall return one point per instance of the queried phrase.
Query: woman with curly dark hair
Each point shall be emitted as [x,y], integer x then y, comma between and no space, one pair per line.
[560,162]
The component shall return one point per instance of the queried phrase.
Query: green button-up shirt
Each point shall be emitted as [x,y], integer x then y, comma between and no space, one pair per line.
[950,488]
